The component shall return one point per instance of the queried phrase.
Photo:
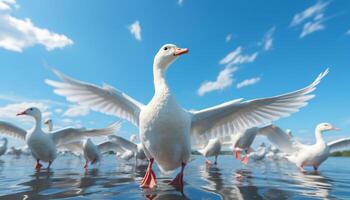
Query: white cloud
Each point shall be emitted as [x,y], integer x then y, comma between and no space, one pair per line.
[223,81]
[228,38]
[311,27]
[267,41]
[236,57]
[135,30]
[312,19]
[310,12]
[17,34]
[348,32]
[9,111]
[76,111]
[248,82]
[180,2]
[58,110]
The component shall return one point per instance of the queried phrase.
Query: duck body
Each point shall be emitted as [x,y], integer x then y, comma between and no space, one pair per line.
[165,131]
[243,140]
[41,145]
[313,155]
[91,151]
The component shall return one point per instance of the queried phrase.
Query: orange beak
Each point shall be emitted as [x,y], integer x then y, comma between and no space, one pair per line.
[335,129]
[21,113]
[180,51]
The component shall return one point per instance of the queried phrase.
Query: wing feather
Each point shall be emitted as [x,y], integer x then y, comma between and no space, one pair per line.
[12,130]
[103,99]
[241,115]
[340,144]
[69,135]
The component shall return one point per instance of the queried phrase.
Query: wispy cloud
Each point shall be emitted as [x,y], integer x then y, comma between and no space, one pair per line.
[312,19]
[228,38]
[135,30]
[236,57]
[9,111]
[310,27]
[225,77]
[76,111]
[223,80]
[180,2]
[248,82]
[17,34]
[267,41]
[348,32]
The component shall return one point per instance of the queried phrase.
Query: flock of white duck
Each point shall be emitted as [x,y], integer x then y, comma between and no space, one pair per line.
[169,133]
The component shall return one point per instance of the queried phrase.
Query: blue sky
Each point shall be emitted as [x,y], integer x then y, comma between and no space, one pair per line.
[238,49]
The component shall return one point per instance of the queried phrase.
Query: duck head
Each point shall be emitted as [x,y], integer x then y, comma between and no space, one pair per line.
[49,124]
[323,127]
[167,54]
[34,112]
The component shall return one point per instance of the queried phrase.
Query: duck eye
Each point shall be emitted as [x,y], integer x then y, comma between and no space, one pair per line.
[165,48]
[31,109]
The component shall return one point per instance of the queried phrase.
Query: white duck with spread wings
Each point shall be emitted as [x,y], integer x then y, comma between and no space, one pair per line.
[166,129]
[302,154]
[90,151]
[43,145]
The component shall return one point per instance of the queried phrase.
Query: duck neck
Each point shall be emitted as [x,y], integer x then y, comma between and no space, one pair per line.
[5,143]
[319,138]
[37,125]
[160,83]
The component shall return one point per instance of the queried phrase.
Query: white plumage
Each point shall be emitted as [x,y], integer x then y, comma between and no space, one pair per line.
[43,145]
[305,155]
[165,127]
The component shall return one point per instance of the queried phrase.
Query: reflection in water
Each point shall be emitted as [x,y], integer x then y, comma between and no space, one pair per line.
[313,184]
[116,180]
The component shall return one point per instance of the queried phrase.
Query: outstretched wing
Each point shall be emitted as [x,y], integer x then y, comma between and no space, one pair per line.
[234,116]
[124,143]
[340,144]
[12,130]
[69,135]
[76,148]
[110,146]
[279,138]
[104,99]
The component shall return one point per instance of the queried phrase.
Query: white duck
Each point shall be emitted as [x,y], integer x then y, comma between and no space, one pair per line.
[242,141]
[165,127]
[130,149]
[3,147]
[90,151]
[259,154]
[213,148]
[43,145]
[306,155]
[133,138]
[15,151]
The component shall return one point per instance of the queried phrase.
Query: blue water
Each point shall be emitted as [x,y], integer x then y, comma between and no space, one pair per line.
[114,179]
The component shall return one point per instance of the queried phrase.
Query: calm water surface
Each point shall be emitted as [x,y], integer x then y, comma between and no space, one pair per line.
[119,180]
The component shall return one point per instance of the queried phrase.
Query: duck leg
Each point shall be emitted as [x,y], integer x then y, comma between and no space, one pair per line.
[86,164]
[301,168]
[149,180]
[207,162]
[238,154]
[50,162]
[245,159]
[38,165]
[216,160]
[179,179]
